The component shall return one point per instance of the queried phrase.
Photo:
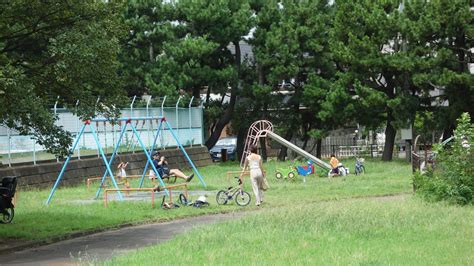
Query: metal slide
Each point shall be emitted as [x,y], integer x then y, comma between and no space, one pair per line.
[298,150]
[264,128]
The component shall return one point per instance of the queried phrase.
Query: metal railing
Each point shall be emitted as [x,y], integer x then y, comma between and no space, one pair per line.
[185,116]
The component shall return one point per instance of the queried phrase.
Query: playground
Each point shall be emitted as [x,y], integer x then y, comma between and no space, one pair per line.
[352,213]
[351,128]
[343,219]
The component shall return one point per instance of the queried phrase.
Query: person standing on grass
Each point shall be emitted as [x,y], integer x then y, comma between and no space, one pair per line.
[257,174]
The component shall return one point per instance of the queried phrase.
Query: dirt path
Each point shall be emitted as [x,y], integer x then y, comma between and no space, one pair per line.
[105,245]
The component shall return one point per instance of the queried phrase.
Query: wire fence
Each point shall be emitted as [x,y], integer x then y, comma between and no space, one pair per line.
[185,118]
[342,147]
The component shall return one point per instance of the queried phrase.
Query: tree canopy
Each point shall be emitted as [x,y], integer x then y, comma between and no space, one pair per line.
[57,50]
[375,63]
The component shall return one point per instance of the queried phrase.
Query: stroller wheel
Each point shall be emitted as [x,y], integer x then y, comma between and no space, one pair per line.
[6,216]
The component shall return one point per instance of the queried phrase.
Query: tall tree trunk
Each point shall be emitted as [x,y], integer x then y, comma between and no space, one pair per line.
[293,123]
[197,92]
[318,149]
[223,121]
[389,138]
[263,147]
[208,94]
[261,75]
[305,143]
[283,151]
[241,135]
[229,111]
[151,53]
[448,132]
[261,82]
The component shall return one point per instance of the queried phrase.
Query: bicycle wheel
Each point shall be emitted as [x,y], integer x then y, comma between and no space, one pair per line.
[278,175]
[291,175]
[163,204]
[222,197]
[242,198]
[362,169]
[183,200]
[7,215]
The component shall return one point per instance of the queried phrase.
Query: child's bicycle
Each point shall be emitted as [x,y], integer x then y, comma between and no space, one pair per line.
[359,166]
[241,197]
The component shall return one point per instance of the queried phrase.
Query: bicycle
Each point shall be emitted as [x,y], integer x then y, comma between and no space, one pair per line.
[241,197]
[359,166]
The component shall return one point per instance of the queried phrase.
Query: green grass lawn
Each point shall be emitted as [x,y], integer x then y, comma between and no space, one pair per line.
[370,231]
[66,214]
[325,221]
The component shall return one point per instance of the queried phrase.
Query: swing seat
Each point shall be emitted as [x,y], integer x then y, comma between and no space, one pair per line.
[168,177]
[165,178]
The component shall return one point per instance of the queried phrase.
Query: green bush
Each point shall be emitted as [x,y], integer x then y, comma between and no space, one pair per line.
[453,177]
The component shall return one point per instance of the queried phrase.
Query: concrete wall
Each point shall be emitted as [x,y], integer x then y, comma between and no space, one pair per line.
[44,175]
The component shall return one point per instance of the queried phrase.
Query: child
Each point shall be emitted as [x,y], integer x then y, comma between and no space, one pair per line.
[121,172]
[334,162]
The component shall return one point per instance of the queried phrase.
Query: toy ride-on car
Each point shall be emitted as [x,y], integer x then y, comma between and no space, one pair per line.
[302,170]
[305,170]
[290,173]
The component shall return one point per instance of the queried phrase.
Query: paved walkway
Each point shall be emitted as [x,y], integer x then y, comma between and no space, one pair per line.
[105,245]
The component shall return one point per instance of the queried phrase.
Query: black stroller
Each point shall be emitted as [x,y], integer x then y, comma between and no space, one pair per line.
[7,192]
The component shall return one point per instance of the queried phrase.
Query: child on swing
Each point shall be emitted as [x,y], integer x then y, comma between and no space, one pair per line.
[164,171]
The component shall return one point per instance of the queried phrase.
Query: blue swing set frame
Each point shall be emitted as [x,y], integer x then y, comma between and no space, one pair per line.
[108,163]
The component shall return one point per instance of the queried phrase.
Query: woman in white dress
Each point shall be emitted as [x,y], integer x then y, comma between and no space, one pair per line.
[257,174]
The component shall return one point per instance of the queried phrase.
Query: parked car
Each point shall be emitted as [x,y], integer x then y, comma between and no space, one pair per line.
[228,143]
